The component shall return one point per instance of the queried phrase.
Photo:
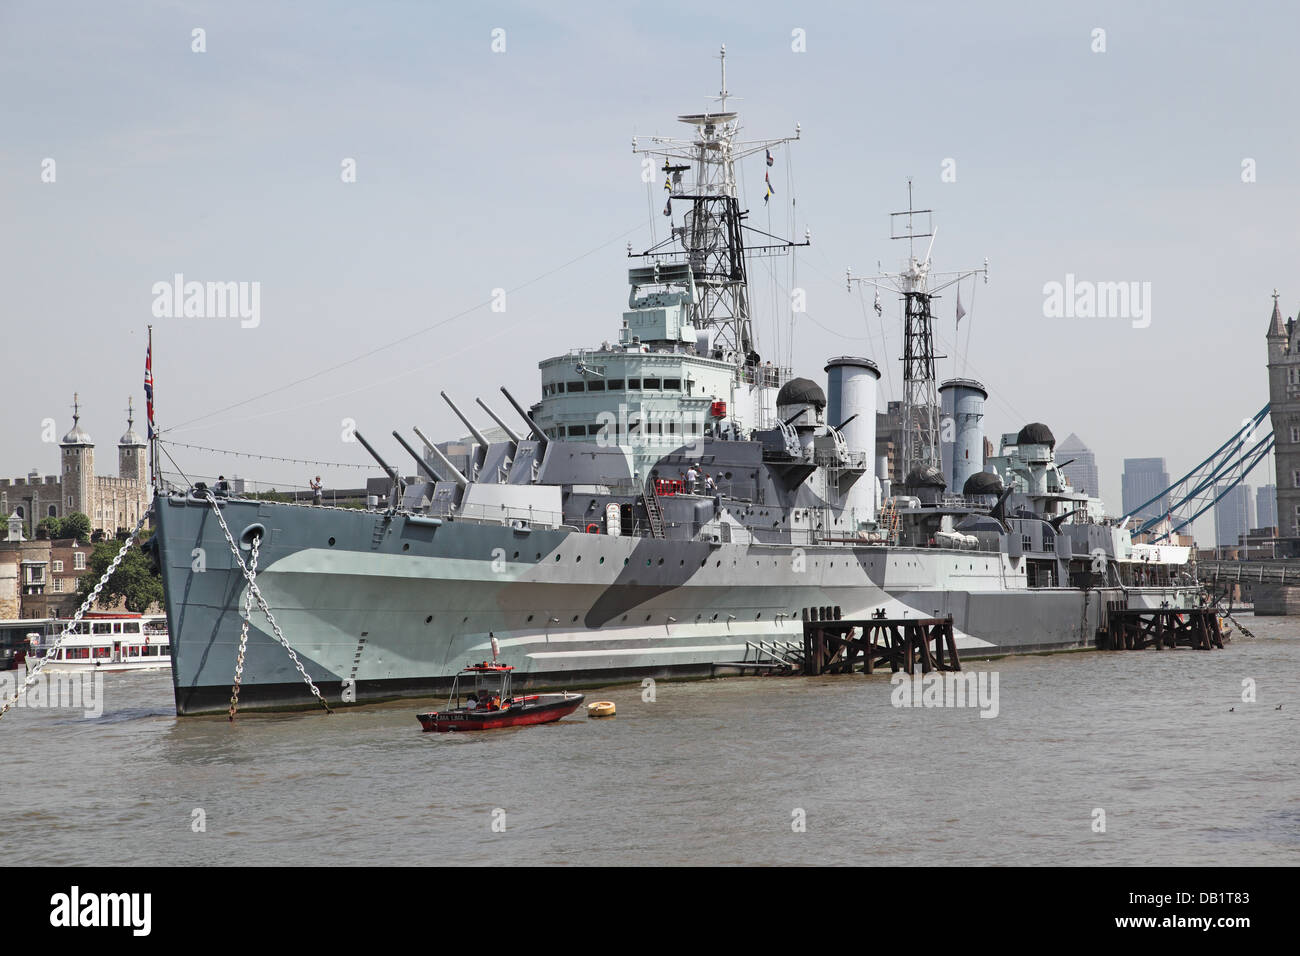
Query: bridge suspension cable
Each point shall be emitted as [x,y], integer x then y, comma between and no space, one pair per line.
[1205,485]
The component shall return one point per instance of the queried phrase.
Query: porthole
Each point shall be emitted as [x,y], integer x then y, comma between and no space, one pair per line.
[557,557]
[406,547]
[578,559]
[602,559]
[464,620]
[516,555]
[331,542]
[575,619]
[661,560]
[429,619]
[530,619]
[647,617]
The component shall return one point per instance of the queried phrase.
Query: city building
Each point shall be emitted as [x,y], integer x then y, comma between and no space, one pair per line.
[1080,465]
[1266,506]
[1234,515]
[109,502]
[1144,478]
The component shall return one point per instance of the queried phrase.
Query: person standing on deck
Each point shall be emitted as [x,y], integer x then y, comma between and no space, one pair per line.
[316,491]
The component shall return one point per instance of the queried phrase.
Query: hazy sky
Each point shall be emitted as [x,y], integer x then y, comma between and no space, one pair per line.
[478,170]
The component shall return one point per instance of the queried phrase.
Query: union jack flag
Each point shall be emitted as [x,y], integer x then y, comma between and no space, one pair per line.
[148,385]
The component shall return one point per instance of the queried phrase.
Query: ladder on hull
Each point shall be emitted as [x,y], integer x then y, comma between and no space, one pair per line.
[654,512]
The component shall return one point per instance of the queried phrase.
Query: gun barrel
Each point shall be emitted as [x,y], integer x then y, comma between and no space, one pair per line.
[536,429]
[418,460]
[478,435]
[497,418]
[388,469]
[452,470]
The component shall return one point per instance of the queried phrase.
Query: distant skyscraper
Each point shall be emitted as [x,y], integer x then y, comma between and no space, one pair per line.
[1144,478]
[1234,515]
[1082,471]
[1266,507]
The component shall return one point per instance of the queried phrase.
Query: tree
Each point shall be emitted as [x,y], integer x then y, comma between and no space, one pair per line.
[48,529]
[75,525]
[135,582]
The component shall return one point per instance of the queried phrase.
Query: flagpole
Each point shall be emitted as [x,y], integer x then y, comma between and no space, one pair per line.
[153,433]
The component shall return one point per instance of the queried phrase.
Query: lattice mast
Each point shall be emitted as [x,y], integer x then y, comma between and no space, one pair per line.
[701,172]
[917,285]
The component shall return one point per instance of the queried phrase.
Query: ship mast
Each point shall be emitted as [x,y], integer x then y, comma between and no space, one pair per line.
[711,238]
[917,285]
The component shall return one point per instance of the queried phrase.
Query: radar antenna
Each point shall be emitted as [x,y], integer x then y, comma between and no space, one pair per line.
[712,237]
[917,285]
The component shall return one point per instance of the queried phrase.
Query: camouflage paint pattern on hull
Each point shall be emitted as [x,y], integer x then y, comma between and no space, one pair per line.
[384,606]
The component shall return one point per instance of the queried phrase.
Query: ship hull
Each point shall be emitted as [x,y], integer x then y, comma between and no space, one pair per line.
[379,607]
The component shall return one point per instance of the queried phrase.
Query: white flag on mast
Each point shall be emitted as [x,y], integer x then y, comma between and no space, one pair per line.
[960,310]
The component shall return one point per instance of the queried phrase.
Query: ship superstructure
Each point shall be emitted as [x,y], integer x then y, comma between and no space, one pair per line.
[670,501]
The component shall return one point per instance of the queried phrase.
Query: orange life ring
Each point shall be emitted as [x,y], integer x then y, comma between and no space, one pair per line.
[593,528]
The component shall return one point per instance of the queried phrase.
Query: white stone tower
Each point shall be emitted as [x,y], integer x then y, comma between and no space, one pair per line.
[131,460]
[78,454]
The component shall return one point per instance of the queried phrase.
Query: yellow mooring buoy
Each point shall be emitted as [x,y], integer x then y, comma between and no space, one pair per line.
[600,708]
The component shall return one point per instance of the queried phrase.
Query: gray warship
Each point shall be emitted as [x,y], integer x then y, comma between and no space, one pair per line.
[671,502]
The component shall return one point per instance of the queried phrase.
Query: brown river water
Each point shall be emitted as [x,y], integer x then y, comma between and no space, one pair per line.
[767,771]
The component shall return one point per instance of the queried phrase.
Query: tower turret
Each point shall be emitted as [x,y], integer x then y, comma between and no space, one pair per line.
[131,450]
[77,452]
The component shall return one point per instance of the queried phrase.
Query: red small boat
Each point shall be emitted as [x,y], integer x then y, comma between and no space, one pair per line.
[490,704]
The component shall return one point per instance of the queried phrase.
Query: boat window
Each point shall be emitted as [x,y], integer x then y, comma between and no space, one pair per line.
[102,628]
[673,384]
[577,430]
[651,383]
[614,385]
[131,627]
[558,387]
[596,385]
[102,652]
[633,383]
[576,386]
[117,628]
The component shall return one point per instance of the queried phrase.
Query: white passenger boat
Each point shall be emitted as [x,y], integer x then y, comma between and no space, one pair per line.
[106,642]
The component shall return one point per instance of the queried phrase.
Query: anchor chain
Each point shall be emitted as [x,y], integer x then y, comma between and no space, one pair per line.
[86,605]
[261,602]
[243,632]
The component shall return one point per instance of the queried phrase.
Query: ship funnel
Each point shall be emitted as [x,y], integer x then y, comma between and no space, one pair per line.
[851,400]
[961,429]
